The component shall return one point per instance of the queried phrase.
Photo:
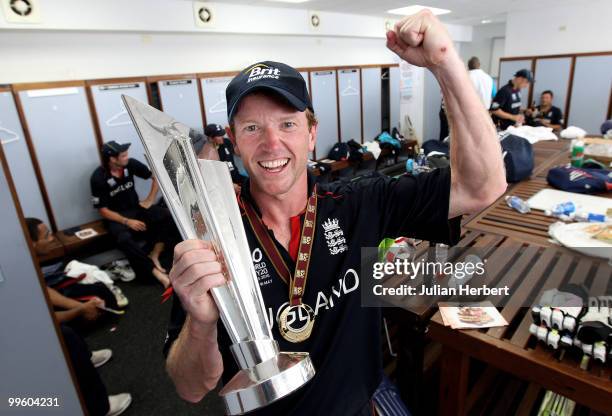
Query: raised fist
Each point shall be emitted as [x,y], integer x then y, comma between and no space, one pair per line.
[421,40]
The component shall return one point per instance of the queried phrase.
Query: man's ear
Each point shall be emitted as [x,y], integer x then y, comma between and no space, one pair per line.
[312,137]
[232,138]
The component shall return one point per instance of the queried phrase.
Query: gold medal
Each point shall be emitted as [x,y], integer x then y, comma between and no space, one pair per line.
[295,323]
[296,320]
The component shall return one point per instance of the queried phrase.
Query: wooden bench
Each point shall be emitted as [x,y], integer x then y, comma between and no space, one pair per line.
[408,146]
[72,246]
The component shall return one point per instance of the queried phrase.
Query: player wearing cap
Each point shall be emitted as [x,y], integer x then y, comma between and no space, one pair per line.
[128,218]
[506,106]
[305,238]
[219,148]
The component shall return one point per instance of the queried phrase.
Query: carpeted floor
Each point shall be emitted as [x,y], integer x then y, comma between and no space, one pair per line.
[137,365]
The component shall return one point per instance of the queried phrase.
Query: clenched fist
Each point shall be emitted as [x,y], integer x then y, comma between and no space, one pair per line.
[196,271]
[421,40]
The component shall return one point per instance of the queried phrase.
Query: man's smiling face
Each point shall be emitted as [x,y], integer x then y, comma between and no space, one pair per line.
[273,139]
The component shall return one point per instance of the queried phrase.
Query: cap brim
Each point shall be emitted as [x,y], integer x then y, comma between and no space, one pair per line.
[292,99]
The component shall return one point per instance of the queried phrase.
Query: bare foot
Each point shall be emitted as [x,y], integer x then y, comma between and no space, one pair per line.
[157,265]
[154,256]
[161,277]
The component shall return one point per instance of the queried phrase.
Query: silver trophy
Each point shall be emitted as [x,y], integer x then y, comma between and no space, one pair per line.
[203,203]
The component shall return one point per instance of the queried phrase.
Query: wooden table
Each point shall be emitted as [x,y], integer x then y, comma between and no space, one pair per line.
[546,153]
[409,325]
[530,270]
[503,220]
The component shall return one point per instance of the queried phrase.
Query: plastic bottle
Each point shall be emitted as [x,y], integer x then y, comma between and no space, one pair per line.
[441,253]
[564,208]
[577,153]
[589,217]
[422,159]
[518,204]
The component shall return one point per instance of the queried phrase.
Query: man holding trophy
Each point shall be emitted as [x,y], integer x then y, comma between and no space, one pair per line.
[305,239]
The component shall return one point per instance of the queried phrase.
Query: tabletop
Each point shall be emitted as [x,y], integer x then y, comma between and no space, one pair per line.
[529,270]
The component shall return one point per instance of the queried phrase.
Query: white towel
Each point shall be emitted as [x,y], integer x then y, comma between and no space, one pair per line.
[92,273]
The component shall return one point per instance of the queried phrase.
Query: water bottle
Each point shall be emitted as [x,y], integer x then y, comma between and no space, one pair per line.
[518,204]
[422,159]
[562,209]
[589,217]
[577,153]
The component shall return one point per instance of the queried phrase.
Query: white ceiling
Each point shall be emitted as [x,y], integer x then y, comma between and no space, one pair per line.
[468,12]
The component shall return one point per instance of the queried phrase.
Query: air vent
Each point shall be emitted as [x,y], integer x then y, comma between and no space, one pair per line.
[314,21]
[21,11]
[203,14]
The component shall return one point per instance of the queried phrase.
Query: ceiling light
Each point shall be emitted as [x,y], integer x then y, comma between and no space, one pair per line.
[406,11]
[485,21]
[289,1]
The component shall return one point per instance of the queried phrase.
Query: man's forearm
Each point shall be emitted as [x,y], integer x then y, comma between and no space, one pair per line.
[60,301]
[478,170]
[111,215]
[69,315]
[153,191]
[504,115]
[194,362]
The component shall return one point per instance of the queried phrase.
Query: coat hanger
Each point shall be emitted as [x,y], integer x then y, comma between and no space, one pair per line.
[115,121]
[220,106]
[349,90]
[12,136]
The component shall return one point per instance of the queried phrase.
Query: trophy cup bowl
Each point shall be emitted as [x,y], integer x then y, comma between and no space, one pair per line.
[203,204]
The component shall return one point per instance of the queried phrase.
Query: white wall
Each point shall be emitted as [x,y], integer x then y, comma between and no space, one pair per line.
[48,56]
[84,39]
[482,44]
[565,29]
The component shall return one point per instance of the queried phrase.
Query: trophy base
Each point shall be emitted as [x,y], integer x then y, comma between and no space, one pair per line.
[267,382]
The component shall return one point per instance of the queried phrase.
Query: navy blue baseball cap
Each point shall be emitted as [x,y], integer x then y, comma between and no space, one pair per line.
[214,130]
[525,73]
[113,148]
[267,75]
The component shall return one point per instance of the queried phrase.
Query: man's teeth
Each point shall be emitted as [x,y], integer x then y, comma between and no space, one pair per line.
[274,164]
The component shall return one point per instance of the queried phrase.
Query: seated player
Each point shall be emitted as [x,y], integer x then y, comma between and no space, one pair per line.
[129,219]
[545,114]
[58,281]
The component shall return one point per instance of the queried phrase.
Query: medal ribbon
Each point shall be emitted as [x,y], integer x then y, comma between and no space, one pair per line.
[297,284]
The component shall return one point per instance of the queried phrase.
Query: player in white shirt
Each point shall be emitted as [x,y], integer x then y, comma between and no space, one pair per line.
[482,81]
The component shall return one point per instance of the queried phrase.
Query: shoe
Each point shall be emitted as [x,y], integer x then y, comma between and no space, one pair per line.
[118,403]
[126,274]
[101,357]
[122,263]
[120,269]
[122,301]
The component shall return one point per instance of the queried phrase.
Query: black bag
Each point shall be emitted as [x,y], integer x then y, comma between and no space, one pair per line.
[518,157]
[323,167]
[436,146]
[340,151]
[356,151]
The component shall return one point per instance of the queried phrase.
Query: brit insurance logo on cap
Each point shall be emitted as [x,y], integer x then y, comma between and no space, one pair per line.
[262,71]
